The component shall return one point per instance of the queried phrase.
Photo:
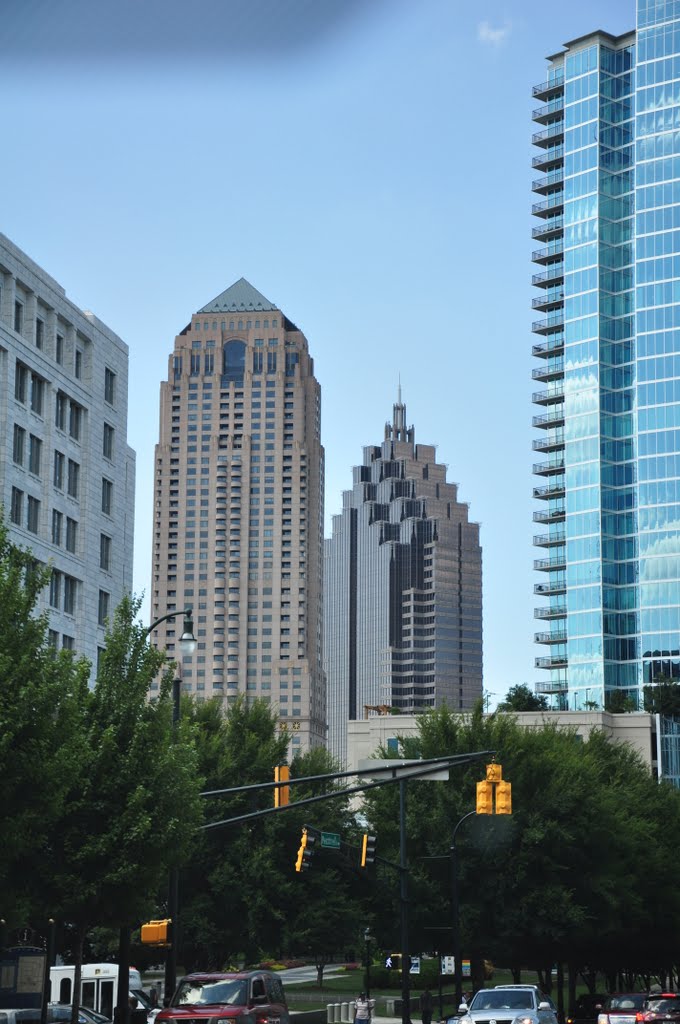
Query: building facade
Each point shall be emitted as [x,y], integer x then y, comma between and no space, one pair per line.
[67,475]
[607,351]
[402,588]
[239,478]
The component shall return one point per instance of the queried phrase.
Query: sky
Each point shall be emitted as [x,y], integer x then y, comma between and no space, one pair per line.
[365,164]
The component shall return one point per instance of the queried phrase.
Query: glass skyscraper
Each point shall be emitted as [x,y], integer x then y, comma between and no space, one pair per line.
[402,588]
[607,351]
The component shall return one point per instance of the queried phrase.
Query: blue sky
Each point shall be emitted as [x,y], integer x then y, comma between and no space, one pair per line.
[364,163]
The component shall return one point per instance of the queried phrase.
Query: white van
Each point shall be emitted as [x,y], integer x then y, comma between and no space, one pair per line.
[98,987]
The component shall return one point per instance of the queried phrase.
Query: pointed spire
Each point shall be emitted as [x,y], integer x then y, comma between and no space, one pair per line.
[397,429]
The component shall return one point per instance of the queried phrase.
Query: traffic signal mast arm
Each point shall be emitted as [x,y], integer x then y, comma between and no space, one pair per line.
[451,761]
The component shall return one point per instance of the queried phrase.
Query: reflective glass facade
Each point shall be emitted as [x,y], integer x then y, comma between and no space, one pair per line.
[608,355]
[402,589]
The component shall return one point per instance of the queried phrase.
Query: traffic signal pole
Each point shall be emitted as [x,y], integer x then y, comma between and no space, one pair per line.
[455,914]
[403,906]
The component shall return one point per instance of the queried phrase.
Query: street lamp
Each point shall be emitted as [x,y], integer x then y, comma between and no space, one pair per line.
[187,643]
[368,939]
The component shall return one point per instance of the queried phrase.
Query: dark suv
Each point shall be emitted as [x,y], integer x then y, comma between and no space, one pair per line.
[255,997]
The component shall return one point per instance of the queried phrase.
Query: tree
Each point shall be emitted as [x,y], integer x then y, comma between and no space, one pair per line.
[521,698]
[41,700]
[131,811]
[577,873]
[663,697]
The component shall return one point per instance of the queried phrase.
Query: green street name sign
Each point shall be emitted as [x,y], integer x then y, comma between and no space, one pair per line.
[330,840]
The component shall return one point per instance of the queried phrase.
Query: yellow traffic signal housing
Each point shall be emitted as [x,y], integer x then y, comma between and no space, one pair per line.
[484,798]
[156,933]
[367,850]
[301,851]
[281,793]
[494,772]
[504,798]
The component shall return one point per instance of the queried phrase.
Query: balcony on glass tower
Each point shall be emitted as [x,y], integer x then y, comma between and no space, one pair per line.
[555,393]
[549,442]
[550,515]
[552,346]
[547,253]
[548,182]
[550,300]
[550,159]
[556,636]
[550,228]
[552,370]
[550,89]
[553,418]
[552,661]
[555,562]
[550,540]
[550,588]
[553,686]
[551,611]
[552,204]
[550,278]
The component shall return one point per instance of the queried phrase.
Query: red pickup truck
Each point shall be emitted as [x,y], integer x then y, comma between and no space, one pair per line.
[254,997]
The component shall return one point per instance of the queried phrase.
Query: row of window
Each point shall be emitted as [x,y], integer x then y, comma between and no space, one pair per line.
[29,388]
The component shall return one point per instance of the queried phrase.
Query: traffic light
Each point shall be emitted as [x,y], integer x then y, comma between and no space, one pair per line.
[281,793]
[306,851]
[367,850]
[484,798]
[494,772]
[157,933]
[504,798]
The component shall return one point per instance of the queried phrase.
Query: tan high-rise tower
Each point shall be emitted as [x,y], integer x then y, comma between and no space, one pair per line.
[238,520]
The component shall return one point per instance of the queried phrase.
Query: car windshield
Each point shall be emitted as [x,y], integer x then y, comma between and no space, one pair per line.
[663,1005]
[630,1001]
[502,999]
[232,992]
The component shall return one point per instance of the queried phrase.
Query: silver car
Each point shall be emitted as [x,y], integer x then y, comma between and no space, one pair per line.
[509,1004]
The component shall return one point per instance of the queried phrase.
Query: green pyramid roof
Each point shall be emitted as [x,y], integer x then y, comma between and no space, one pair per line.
[241,297]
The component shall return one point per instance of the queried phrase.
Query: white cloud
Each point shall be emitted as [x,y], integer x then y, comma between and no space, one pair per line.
[493,36]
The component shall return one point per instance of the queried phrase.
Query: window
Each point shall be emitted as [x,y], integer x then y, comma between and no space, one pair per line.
[78,364]
[107,496]
[75,420]
[103,611]
[59,470]
[109,386]
[71,535]
[55,589]
[73,484]
[32,514]
[17,505]
[19,439]
[39,333]
[57,521]
[68,643]
[34,454]
[21,383]
[18,317]
[108,441]
[37,393]
[60,411]
[104,552]
[70,594]
[59,349]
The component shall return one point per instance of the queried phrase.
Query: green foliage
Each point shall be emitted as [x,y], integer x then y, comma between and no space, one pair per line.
[521,698]
[132,810]
[41,699]
[619,702]
[241,894]
[663,698]
[579,872]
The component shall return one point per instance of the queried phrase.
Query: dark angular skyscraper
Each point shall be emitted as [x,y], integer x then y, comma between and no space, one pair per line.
[402,588]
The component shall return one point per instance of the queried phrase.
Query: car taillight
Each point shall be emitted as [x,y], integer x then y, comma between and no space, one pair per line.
[261,1018]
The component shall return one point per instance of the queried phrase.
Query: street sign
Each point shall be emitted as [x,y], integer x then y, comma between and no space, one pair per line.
[330,840]
[415,965]
[465,964]
[448,965]
[405,768]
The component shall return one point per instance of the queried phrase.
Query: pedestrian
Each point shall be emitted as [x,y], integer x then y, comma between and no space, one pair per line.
[426,1006]
[362,1008]
[153,996]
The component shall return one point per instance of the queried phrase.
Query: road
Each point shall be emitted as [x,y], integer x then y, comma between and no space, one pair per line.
[297,975]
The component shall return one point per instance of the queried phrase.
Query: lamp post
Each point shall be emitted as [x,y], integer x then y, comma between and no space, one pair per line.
[455,914]
[368,939]
[187,643]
